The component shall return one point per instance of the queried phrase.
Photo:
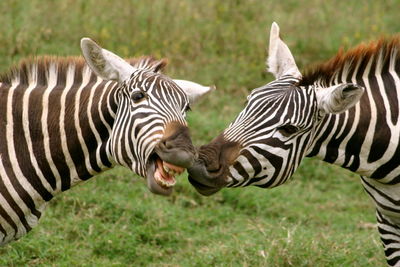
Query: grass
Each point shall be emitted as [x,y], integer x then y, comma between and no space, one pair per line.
[321,218]
[114,221]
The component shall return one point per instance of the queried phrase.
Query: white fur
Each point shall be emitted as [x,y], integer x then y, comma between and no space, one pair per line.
[104,63]
[194,90]
[338,98]
[334,99]
[280,60]
[109,66]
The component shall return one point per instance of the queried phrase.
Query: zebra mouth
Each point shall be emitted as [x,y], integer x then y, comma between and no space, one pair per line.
[161,175]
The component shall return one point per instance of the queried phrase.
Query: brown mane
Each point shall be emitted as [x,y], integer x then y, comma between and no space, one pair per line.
[23,70]
[323,72]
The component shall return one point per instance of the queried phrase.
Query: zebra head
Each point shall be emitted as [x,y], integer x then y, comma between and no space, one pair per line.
[149,133]
[264,145]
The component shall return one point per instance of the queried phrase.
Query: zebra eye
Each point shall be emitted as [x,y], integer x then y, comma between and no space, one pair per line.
[138,96]
[187,108]
[287,130]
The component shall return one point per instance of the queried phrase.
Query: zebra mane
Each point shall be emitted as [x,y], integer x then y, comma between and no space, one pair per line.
[346,61]
[37,68]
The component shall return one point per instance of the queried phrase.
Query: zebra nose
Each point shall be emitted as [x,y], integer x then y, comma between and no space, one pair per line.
[176,146]
[210,171]
[176,155]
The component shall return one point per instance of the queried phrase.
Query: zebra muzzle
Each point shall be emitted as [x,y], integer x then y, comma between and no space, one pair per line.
[171,156]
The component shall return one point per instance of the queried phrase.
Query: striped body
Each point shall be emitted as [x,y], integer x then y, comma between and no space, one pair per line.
[366,138]
[61,124]
[47,144]
[345,112]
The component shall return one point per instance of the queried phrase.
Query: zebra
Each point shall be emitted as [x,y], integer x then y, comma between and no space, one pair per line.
[63,121]
[345,111]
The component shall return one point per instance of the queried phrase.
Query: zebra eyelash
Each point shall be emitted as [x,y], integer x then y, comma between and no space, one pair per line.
[288,130]
[138,96]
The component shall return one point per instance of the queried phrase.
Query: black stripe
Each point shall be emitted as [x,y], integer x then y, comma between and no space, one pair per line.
[35,131]
[4,90]
[87,134]
[26,198]
[390,89]
[4,233]
[98,124]
[382,133]
[353,146]
[8,219]
[21,148]
[393,261]
[53,129]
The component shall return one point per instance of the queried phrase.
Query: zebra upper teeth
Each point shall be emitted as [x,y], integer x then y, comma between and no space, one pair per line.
[166,169]
[172,169]
[165,173]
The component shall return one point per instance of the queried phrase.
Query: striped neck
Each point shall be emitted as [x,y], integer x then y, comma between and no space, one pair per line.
[57,127]
[365,138]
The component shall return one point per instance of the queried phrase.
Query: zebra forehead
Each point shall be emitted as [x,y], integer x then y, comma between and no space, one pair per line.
[386,48]
[148,80]
[35,68]
[275,91]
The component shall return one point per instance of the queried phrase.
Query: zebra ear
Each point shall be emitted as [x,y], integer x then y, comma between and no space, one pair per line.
[338,98]
[280,60]
[104,63]
[193,90]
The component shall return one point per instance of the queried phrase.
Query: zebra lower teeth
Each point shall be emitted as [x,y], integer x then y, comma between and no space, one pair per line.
[165,173]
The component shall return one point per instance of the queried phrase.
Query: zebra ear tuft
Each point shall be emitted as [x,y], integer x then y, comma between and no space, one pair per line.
[193,90]
[280,60]
[338,98]
[104,63]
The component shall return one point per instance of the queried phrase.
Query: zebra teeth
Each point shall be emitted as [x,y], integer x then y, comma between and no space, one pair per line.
[162,182]
[164,175]
[166,169]
[172,169]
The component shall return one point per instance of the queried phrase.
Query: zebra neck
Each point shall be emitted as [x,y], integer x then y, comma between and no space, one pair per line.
[55,135]
[366,138]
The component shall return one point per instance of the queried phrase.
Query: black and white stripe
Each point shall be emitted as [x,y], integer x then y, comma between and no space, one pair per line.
[61,124]
[366,138]
[345,112]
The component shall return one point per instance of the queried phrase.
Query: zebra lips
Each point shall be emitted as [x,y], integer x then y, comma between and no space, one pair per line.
[161,176]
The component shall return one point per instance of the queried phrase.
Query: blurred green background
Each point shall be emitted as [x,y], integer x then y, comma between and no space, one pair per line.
[322,218]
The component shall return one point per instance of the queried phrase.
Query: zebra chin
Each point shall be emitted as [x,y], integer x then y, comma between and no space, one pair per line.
[204,182]
[203,189]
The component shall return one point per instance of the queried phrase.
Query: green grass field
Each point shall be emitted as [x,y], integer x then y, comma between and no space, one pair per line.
[322,218]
